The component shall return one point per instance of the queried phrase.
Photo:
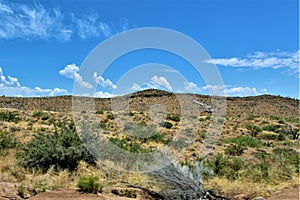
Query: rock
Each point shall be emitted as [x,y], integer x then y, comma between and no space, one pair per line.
[258,198]
[241,197]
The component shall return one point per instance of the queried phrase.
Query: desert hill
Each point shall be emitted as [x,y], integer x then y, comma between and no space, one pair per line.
[253,146]
[264,105]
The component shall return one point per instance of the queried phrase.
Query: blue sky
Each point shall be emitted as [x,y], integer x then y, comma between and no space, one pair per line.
[254,44]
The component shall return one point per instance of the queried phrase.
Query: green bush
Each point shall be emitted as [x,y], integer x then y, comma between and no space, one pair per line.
[166,124]
[89,184]
[220,120]
[174,117]
[244,141]
[159,137]
[268,136]
[228,167]
[234,150]
[287,156]
[37,113]
[254,130]
[62,149]
[130,146]
[9,116]
[99,112]
[6,142]
[40,114]
[201,119]
[272,128]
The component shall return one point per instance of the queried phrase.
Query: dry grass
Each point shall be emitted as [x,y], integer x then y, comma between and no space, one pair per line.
[248,187]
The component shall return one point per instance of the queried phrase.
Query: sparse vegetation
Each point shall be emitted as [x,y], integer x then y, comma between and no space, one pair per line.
[9,116]
[245,141]
[254,130]
[173,117]
[89,184]
[257,154]
[167,124]
[62,149]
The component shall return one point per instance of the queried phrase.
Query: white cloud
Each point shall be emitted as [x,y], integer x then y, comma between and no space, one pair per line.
[71,71]
[102,94]
[215,89]
[10,86]
[22,21]
[257,60]
[156,82]
[135,86]
[160,81]
[36,21]
[191,87]
[92,25]
[241,91]
[105,83]
[225,90]
[8,81]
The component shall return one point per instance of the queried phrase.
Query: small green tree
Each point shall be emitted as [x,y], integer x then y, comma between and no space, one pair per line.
[62,149]
[89,184]
[254,130]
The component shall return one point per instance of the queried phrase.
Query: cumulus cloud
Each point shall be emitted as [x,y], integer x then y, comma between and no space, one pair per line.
[160,81]
[10,86]
[105,83]
[71,71]
[35,21]
[135,86]
[8,81]
[156,82]
[225,90]
[257,60]
[191,87]
[102,94]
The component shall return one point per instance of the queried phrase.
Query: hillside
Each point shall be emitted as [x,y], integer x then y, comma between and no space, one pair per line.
[253,146]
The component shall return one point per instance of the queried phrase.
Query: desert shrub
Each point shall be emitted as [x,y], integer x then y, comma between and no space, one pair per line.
[201,119]
[254,130]
[45,116]
[9,116]
[220,120]
[281,137]
[110,117]
[102,125]
[234,150]
[245,141]
[272,128]
[173,117]
[287,156]
[130,146]
[224,166]
[40,114]
[37,113]
[281,121]
[268,136]
[252,117]
[62,149]
[159,137]
[203,135]
[99,112]
[6,142]
[89,184]
[166,124]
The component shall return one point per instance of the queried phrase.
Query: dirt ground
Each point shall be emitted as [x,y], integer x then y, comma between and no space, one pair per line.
[72,194]
[287,194]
